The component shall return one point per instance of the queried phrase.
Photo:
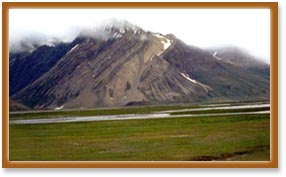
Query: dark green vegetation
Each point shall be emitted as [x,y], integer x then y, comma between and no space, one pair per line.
[245,137]
[221,111]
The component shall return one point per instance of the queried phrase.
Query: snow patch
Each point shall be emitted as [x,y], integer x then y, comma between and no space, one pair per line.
[72,49]
[164,40]
[117,35]
[122,30]
[188,78]
[205,87]
[50,44]
[167,44]
[214,55]
[59,108]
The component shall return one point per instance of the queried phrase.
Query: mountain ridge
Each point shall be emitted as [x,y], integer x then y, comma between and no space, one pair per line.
[133,66]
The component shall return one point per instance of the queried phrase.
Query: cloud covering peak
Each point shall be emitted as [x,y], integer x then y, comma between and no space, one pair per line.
[247,28]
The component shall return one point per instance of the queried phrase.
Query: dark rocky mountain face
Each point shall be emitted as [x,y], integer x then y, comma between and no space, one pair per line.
[226,80]
[26,67]
[130,67]
[15,106]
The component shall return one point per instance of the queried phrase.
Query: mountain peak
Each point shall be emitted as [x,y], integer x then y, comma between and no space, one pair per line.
[111,28]
[121,25]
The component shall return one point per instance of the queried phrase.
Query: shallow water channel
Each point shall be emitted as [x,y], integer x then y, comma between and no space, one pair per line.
[156,115]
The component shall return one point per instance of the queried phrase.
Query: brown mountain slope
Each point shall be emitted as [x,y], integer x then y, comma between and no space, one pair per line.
[133,66]
[112,72]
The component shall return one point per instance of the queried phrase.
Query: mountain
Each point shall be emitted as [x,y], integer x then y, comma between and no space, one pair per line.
[238,57]
[26,67]
[15,106]
[227,80]
[126,65]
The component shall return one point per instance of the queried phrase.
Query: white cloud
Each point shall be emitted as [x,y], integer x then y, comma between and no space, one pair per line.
[246,28]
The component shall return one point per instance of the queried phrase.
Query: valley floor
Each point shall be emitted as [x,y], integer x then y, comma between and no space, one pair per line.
[190,134]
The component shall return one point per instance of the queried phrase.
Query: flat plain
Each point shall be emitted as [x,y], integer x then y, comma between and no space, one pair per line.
[196,137]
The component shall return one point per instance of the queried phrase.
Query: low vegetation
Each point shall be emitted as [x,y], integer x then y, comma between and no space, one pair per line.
[243,137]
[221,111]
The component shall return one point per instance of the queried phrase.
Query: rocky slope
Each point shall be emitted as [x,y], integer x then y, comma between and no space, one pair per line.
[26,67]
[15,106]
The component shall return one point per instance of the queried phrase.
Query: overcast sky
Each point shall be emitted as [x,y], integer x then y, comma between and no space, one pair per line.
[246,28]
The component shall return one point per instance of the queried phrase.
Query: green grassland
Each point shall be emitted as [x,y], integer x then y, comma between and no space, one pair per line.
[243,137]
[221,111]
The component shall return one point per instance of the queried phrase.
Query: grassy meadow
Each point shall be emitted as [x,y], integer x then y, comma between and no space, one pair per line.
[236,137]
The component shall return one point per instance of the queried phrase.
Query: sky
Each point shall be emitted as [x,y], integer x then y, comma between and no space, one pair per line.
[205,28]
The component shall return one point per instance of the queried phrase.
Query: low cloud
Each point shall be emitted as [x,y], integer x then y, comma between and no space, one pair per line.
[103,31]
